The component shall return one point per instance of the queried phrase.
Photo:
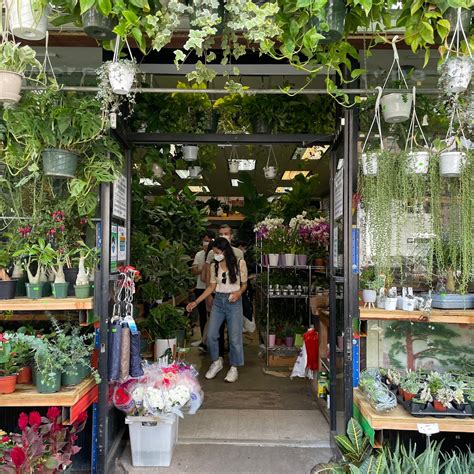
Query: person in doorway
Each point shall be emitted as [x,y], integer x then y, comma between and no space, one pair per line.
[228,279]
[226,232]
[198,269]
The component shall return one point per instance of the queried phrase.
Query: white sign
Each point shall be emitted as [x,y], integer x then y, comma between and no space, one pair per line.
[122,244]
[339,194]
[335,245]
[428,428]
[119,203]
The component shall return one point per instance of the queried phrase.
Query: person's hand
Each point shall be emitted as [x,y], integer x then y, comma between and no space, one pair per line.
[235,296]
[191,306]
[209,303]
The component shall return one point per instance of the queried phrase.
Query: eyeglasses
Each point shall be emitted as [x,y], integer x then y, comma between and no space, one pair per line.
[224,278]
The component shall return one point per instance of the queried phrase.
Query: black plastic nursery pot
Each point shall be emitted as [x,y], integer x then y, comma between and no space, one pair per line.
[7,289]
[59,163]
[70,275]
[47,290]
[260,126]
[60,290]
[335,18]
[34,291]
[98,26]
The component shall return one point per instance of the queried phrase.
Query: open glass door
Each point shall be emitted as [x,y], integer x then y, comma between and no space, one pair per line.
[343,275]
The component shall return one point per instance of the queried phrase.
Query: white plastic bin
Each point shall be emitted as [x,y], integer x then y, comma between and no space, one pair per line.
[152,439]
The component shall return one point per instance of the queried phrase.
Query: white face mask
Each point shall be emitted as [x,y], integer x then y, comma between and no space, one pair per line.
[219,257]
[205,244]
[227,237]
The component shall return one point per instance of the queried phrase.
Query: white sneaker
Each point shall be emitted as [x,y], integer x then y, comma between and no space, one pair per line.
[232,375]
[215,368]
[196,343]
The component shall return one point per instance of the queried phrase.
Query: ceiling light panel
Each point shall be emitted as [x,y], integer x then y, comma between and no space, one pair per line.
[289,175]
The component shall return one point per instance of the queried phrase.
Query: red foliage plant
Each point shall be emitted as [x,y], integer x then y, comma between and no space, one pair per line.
[45,445]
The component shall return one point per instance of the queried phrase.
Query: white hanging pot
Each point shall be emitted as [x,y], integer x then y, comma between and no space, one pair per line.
[369,164]
[270,172]
[10,87]
[26,20]
[418,162]
[194,171]
[190,152]
[396,107]
[121,77]
[157,170]
[233,166]
[451,164]
[456,73]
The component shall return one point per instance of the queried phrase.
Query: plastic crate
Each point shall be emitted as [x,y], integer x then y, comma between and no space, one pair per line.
[152,439]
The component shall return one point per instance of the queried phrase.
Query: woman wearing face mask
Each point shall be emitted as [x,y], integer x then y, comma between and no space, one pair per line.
[229,281]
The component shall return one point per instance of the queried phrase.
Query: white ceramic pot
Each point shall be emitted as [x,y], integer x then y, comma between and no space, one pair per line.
[396,107]
[390,304]
[273,259]
[369,164]
[418,162]
[10,87]
[400,302]
[27,21]
[157,170]
[233,166]
[369,296]
[289,259]
[194,171]
[380,302]
[121,77]
[456,73]
[190,152]
[162,345]
[270,172]
[451,164]
[408,304]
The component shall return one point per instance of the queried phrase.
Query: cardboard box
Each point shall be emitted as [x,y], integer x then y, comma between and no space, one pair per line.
[281,361]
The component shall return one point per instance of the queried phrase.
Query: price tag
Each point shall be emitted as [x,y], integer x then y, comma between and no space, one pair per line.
[428,428]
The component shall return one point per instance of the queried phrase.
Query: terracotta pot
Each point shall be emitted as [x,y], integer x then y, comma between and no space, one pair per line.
[407,396]
[279,341]
[24,375]
[438,406]
[8,383]
[401,392]
[319,262]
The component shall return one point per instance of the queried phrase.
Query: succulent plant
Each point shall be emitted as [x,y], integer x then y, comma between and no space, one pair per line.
[445,396]
[425,394]
[393,375]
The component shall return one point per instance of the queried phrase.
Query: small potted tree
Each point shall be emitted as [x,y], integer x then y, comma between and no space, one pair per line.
[60,286]
[88,257]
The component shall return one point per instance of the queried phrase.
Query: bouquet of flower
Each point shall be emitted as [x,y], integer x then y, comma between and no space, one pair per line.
[264,228]
[163,389]
[315,234]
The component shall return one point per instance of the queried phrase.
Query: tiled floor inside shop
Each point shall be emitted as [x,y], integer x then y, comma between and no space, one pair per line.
[260,424]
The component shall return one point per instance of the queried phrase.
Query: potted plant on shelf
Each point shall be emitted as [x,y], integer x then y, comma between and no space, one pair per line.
[22,347]
[14,61]
[28,18]
[410,385]
[289,336]
[60,286]
[88,258]
[8,366]
[49,364]
[7,284]
[443,399]
[271,337]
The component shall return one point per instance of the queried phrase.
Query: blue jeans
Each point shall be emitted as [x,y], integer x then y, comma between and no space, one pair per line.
[224,310]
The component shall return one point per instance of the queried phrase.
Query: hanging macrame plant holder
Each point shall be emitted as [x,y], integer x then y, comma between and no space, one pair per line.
[418,157]
[370,158]
[271,171]
[121,73]
[396,106]
[456,69]
[453,159]
[233,161]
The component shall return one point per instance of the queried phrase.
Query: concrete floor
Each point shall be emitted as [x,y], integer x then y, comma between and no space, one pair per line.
[260,424]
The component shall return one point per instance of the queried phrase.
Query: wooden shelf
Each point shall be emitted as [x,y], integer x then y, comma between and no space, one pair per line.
[232,217]
[46,304]
[400,419]
[73,399]
[452,316]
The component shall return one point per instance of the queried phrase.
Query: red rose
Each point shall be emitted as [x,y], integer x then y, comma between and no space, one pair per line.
[23,421]
[18,456]
[35,418]
[82,417]
[53,413]
[5,439]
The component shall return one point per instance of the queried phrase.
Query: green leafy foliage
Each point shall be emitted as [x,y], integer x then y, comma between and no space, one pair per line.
[17,58]
[164,320]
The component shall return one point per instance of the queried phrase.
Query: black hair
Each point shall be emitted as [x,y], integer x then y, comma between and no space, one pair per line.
[223,244]
[209,233]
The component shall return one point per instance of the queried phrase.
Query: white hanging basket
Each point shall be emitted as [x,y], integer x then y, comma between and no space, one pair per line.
[451,163]
[194,171]
[396,107]
[270,172]
[157,170]
[121,77]
[418,162]
[370,164]
[456,73]
[10,87]
[27,21]
[233,166]
[190,152]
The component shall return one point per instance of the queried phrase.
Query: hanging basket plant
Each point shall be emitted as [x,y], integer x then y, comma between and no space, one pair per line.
[98,26]
[456,69]
[233,161]
[28,18]
[190,152]
[270,171]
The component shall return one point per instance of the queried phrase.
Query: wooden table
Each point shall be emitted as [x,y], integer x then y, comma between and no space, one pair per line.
[451,316]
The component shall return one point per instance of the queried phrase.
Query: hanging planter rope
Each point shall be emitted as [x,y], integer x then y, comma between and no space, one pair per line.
[396,107]
[418,160]
[456,71]
[121,72]
[233,161]
[271,171]
[370,159]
